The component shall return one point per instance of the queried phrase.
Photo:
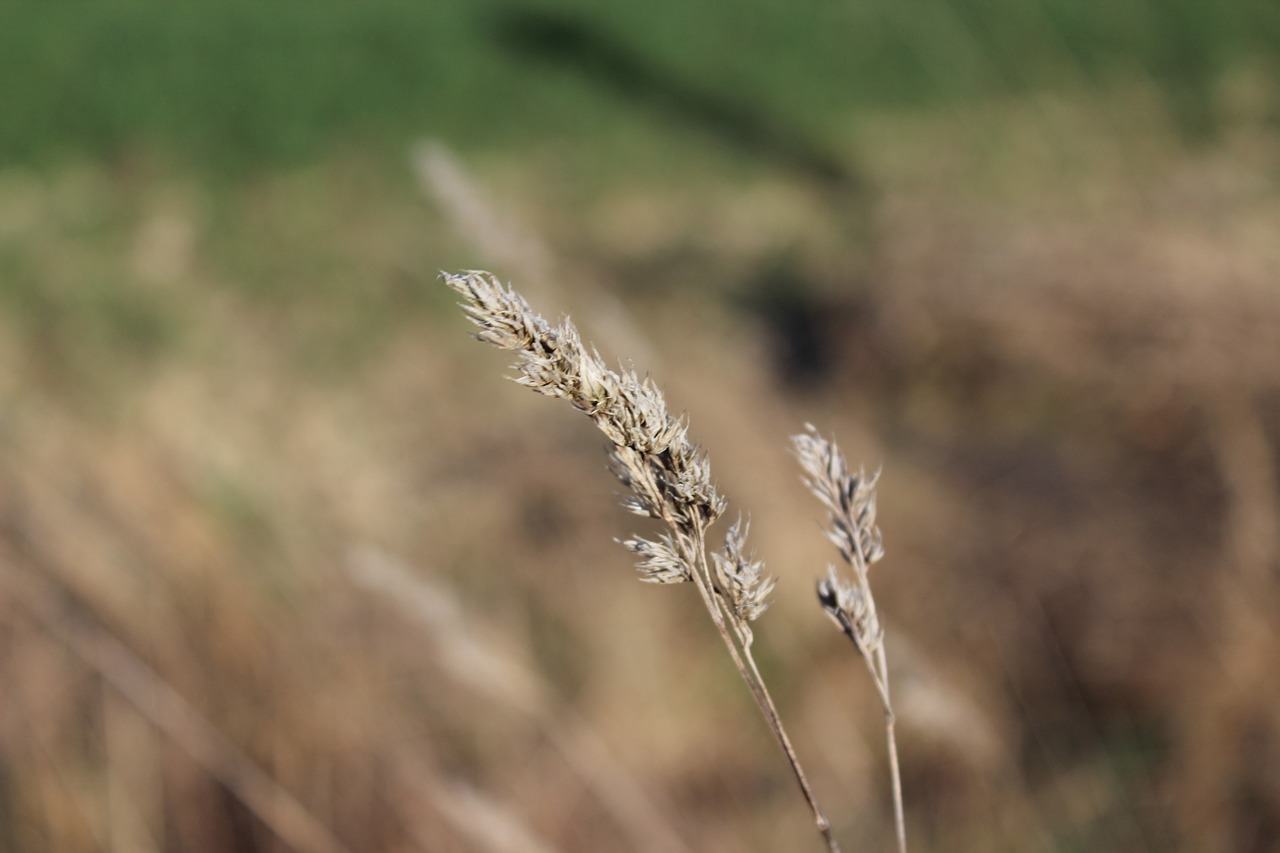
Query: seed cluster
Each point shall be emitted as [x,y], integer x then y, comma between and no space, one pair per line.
[850,500]
[667,475]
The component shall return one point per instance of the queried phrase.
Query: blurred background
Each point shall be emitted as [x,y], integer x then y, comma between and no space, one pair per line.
[287,565]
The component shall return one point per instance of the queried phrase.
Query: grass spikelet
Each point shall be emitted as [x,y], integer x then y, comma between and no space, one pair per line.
[667,475]
[850,500]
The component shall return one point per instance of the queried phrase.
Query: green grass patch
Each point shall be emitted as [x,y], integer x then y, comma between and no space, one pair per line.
[239,85]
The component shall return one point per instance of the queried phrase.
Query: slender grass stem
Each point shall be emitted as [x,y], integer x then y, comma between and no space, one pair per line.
[899,819]
[742,658]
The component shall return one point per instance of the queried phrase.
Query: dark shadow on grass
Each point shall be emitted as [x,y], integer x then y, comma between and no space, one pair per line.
[584,48]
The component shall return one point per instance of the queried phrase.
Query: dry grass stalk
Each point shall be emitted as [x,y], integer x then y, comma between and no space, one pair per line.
[155,699]
[486,667]
[486,823]
[668,476]
[851,501]
[496,232]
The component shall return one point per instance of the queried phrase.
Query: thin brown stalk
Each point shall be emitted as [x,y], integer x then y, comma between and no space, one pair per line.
[740,653]
[155,699]
[485,666]
[891,740]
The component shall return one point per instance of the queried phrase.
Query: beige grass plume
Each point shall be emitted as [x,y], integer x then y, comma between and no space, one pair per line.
[850,500]
[667,475]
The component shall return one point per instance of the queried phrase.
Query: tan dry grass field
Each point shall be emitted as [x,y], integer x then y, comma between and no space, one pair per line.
[286,565]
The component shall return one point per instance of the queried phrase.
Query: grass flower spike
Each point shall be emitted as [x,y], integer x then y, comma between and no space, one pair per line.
[668,478]
[850,500]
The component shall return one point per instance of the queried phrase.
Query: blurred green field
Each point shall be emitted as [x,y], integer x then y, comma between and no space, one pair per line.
[238,85]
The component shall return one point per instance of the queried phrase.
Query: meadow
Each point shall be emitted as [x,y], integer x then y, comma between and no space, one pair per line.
[286,564]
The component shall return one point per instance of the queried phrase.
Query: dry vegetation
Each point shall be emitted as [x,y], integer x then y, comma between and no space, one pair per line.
[278,583]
